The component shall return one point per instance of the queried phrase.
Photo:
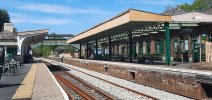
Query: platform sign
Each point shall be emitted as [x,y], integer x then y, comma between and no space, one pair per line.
[196,46]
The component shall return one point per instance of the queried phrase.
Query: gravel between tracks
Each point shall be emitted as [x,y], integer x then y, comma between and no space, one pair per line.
[112,89]
[140,88]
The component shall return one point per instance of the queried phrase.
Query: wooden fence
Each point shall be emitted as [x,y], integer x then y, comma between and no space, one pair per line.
[208,51]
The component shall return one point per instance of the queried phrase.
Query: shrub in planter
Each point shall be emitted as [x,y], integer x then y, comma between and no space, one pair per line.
[121,58]
[178,59]
[141,60]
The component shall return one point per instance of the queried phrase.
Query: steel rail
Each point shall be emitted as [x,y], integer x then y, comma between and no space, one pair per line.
[75,88]
[82,81]
[69,94]
[139,93]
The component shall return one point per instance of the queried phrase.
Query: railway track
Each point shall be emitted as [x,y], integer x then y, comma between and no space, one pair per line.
[139,93]
[77,89]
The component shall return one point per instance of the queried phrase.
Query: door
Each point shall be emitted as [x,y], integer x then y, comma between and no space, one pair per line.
[1,55]
[148,47]
[134,51]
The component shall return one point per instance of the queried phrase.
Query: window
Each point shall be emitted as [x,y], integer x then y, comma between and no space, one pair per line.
[148,44]
[210,37]
[144,49]
[157,46]
[141,47]
[184,45]
[175,45]
[161,46]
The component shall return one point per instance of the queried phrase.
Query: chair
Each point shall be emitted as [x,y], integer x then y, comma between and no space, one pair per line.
[6,67]
[18,62]
[13,66]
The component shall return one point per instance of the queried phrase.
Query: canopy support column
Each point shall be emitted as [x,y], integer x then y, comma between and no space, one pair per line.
[130,45]
[80,51]
[96,49]
[110,48]
[87,56]
[167,38]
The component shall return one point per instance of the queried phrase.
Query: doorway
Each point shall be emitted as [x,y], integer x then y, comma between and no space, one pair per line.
[2,55]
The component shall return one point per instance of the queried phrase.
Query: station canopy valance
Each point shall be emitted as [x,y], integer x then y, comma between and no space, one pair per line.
[31,37]
[139,23]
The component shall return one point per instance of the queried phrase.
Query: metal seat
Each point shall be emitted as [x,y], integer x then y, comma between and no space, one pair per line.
[13,65]
[4,67]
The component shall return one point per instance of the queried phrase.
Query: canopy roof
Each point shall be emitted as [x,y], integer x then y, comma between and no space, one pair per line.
[139,22]
[34,32]
[125,21]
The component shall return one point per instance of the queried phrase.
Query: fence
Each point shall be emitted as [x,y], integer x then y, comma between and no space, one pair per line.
[208,51]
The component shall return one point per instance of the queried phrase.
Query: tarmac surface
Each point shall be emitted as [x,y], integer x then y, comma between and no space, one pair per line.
[10,83]
[33,82]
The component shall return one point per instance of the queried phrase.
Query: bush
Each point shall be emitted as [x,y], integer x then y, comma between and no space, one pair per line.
[141,60]
[178,59]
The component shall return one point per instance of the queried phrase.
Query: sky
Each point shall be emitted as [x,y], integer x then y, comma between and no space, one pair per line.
[74,16]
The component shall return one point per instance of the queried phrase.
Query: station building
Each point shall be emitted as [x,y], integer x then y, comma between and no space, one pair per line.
[136,34]
[18,44]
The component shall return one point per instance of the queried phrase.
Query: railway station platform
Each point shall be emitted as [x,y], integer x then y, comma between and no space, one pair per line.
[33,82]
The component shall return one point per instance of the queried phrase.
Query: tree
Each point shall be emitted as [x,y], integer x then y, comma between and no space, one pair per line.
[197,5]
[15,31]
[4,18]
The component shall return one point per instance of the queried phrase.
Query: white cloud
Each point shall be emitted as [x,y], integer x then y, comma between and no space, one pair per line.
[150,2]
[60,9]
[23,18]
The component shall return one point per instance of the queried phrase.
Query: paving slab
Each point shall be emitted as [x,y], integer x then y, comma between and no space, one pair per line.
[45,85]
[34,82]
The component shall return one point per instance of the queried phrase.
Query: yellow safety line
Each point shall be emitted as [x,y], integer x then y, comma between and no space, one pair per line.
[26,88]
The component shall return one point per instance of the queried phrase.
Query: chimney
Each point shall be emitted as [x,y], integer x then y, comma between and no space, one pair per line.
[8,27]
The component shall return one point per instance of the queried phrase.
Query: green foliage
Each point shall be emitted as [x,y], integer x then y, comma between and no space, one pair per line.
[70,48]
[4,18]
[43,51]
[38,51]
[15,30]
[197,5]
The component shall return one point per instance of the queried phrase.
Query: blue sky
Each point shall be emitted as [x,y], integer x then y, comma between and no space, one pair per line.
[74,16]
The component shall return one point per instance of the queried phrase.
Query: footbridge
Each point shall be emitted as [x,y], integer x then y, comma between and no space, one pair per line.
[56,40]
